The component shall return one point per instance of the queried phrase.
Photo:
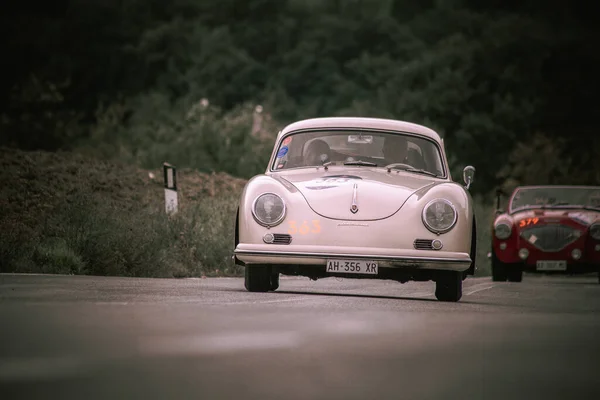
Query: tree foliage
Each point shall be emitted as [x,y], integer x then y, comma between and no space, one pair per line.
[121,76]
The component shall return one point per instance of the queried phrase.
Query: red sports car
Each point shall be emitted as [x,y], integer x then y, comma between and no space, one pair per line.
[547,229]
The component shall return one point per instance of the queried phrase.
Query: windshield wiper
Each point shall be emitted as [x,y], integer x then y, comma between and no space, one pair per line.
[422,171]
[326,165]
[407,167]
[360,162]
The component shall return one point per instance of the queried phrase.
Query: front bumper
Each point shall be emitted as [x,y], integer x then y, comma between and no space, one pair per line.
[572,268]
[318,256]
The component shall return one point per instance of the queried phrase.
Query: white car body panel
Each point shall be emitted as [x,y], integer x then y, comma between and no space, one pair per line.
[322,226]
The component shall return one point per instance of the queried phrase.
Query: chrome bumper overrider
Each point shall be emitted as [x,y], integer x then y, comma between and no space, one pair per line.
[261,254]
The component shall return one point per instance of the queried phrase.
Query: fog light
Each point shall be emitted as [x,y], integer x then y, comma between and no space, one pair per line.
[503,246]
[268,238]
[576,254]
[436,244]
[597,247]
[523,254]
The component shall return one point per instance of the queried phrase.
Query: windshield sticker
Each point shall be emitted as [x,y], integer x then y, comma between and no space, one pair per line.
[282,152]
[360,139]
[286,141]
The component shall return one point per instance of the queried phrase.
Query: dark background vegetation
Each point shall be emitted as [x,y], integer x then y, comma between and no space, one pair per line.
[511,85]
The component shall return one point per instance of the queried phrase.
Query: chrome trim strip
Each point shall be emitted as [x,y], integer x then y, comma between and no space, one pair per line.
[352,256]
[354,206]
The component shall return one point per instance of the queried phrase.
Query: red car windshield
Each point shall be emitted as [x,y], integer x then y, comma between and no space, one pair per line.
[555,197]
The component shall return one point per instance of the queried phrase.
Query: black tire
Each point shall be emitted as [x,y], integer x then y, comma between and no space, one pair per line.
[473,252]
[499,273]
[515,274]
[274,281]
[448,286]
[258,278]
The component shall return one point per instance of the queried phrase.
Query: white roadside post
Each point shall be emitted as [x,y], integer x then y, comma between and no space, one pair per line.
[170,188]
[257,119]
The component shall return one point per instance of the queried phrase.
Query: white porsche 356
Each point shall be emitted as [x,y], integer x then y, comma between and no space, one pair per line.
[357,198]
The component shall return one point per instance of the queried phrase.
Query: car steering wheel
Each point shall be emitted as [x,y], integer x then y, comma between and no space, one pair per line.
[396,165]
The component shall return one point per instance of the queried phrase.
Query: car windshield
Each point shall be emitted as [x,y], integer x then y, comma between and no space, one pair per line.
[359,148]
[555,197]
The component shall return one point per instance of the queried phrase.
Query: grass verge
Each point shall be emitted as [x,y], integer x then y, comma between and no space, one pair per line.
[65,213]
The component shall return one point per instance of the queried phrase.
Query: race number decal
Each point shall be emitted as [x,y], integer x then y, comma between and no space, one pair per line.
[305,227]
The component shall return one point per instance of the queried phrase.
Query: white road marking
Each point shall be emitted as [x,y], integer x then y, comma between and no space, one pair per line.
[218,343]
[348,327]
[284,300]
[418,294]
[479,290]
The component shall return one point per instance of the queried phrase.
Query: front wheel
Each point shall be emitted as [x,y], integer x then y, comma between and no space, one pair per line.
[258,278]
[498,269]
[514,274]
[274,280]
[448,286]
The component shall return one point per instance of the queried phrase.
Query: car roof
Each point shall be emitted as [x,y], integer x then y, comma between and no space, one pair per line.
[361,123]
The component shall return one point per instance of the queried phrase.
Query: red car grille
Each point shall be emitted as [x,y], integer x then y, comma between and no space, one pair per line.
[550,237]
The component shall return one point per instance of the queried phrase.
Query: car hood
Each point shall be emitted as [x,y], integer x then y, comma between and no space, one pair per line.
[377,194]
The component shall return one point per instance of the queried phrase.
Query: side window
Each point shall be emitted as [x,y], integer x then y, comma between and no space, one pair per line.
[594,199]
[285,154]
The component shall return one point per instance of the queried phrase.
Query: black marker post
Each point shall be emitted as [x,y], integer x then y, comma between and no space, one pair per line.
[170,188]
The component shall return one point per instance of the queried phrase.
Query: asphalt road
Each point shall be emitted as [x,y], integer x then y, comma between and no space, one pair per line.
[65,337]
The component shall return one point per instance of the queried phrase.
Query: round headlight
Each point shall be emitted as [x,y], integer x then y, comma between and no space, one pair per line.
[595,231]
[268,209]
[439,216]
[502,230]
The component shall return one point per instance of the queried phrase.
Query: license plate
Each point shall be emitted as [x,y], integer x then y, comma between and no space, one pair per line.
[551,265]
[352,267]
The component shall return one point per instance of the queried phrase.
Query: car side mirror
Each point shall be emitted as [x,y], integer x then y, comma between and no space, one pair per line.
[468,175]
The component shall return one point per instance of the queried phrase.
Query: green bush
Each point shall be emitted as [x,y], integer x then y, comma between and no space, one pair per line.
[17,244]
[86,236]
[201,237]
[54,256]
[188,133]
[484,214]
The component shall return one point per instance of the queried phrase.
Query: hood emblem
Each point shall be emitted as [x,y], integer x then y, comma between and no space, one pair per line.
[354,206]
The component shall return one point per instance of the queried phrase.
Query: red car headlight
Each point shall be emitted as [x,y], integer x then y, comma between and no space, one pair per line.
[502,230]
